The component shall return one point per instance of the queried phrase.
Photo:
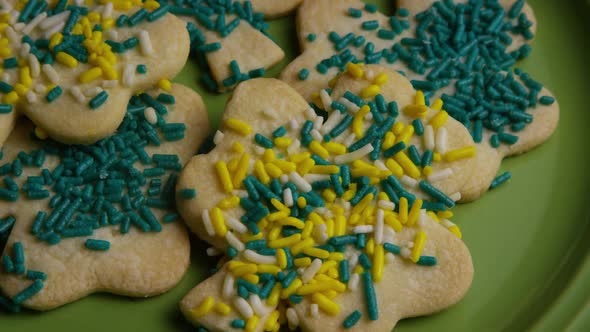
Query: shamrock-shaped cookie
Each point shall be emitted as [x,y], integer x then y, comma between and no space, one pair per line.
[461,52]
[229,38]
[99,217]
[329,222]
[71,69]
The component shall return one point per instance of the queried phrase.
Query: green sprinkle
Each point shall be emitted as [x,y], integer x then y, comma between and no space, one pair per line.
[8,264]
[98,245]
[427,261]
[54,93]
[370,296]
[36,275]
[371,8]
[188,193]
[311,37]
[546,100]
[392,248]
[28,292]
[403,12]
[354,12]
[238,324]
[386,34]
[141,69]
[263,141]
[352,319]
[303,74]
[5,108]
[98,100]
[10,63]
[500,179]
[370,25]
[436,194]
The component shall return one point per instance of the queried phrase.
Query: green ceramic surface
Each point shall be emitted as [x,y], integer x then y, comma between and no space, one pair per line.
[529,239]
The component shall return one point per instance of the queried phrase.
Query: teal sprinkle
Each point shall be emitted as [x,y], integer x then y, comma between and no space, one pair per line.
[365,261]
[370,25]
[98,100]
[386,34]
[279,132]
[546,100]
[311,37]
[188,193]
[5,108]
[10,63]
[371,8]
[8,264]
[238,324]
[36,275]
[427,261]
[343,271]
[392,248]
[97,245]
[206,48]
[436,194]
[303,74]
[403,12]
[370,296]
[263,141]
[352,319]
[141,69]
[356,13]
[5,87]
[54,93]
[418,127]
[28,292]
[500,179]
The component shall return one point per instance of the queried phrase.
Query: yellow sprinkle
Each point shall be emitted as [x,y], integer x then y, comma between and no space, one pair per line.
[151,5]
[229,202]
[405,135]
[370,91]
[339,225]
[388,140]
[281,257]
[378,262]
[285,166]
[266,268]
[381,79]
[325,169]
[318,149]
[326,266]
[10,98]
[66,60]
[330,227]
[218,221]
[335,148]
[357,122]
[25,76]
[419,99]
[336,256]
[369,171]
[241,170]
[433,216]
[363,203]
[439,119]
[329,195]
[20,89]
[252,278]
[461,153]
[448,214]
[248,238]
[278,215]
[165,85]
[406,163]
[305,166]
[222,308]
[286,241]
[271,321]
[108,23]
[274,233]
[300,157]
[307,229]
[237,147]
[392,221]
[370,246]
[455,230]
[269,156]
[40,133]
[325,304]
[437,104]
[260,172]
[232,265]
[283,142]
[394,167]
[358,269]
[238,126]
[414,212]
[397,128]
[306,243]
[418,246]
[279,206]
[252,323]
[322,286]
[203,308]
[55,40]
[403,210]
[223,174]
[301,202]
[355,70]
[291,221]
[316,252]
[90,75]
[245,270]
[436,156]
[354,218]
[293,287]
[427,170]
[273,170]
[302,262]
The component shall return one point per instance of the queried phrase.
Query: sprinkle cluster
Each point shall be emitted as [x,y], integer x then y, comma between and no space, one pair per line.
[321,202]
[16,264]
[461,47]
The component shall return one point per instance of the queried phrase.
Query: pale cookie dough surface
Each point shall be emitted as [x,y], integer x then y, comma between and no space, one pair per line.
[274,8]
[324,16]
[68,120]
[138,264]
[405,290]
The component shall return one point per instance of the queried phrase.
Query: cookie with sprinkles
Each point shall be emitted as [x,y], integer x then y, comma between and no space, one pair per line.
[71,68]
[320,216]
[461,52]
[229,38]
[99,217]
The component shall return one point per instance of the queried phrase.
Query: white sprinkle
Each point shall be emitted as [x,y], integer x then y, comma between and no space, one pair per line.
[441,140]
[31,97]
[5,5]
[259,150]
[79,2]
[318,122]
[294,147]
[269,112]
[408,181]
[300,182]
[129,75]
[310,114]
[288,197]
[292,318]
[326,100]
[294,124]
[14,14]
[315,134]
[363,229]
[349,105]
[145,42]
[332,121]
[257,258]
[349,139]
[379,225]
[25,50]
[311,271]
[55,19]
[50,72]
[380,165]
[353,260]
[352,156]
[410,244]
[314,310]
[257,305]
[242,193]
[107,84]
[369,116]
[243,307]
[369,75]
[455,197]
[405,252]
[284,178]
[353,282]
[212,251]
[75,91]
[6,77]
[35,66]
[300,270]
[422,218]
[447,223]
[389,258]
[93,91]
[207,223]
[150,115]
[12,35]
[228,286]
[112,34]
[54,29]
[429,137]
[316,177]
[18,26]
[107,10]
[321,233]
[325,212]
[34,22]
[443,174]
[386,205]
[388,234]
[236,225]
[233,241]
[218,138]
[40,88]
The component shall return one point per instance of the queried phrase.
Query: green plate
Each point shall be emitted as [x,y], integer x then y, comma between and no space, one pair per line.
[529,239]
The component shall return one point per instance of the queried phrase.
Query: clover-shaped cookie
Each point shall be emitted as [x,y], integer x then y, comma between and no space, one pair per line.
[230,40]
[328,222]
[100,217]
[72,69]
[461,53]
